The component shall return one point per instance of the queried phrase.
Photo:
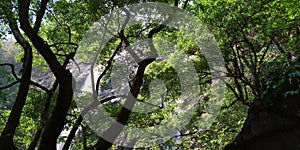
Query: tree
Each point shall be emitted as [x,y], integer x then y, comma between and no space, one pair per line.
[259,41]
[250,36]
[56,121]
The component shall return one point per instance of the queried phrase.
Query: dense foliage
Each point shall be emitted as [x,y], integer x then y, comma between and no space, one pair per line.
[259,40]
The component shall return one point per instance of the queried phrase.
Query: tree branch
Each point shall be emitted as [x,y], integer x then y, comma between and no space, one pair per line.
[231,104]
[80,119]
[9,85]
[40,15]
[55,123]
[39,86]
[12,70]
[109,63]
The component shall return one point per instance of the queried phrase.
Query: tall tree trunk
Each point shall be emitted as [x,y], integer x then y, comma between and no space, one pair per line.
[44,115]
[6,139]
[56,121]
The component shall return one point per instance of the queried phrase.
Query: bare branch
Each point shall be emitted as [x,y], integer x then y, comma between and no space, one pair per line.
[63,43]
[62,25]
[80,119]
[109,63]
[265,52]
[3,118]
[12,70]
[8,86]
[39,86]
[279,46]
[231,104]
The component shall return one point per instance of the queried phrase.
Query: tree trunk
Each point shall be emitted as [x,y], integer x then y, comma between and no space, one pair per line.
[6,139]
[56,121]
[57,118]
[276,127]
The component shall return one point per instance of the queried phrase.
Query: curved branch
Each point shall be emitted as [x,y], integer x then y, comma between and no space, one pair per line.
[109,62]
[8,86]
[40,86]
[80,119]
[44,115]
[62,25]
[6,139]
[12,69]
